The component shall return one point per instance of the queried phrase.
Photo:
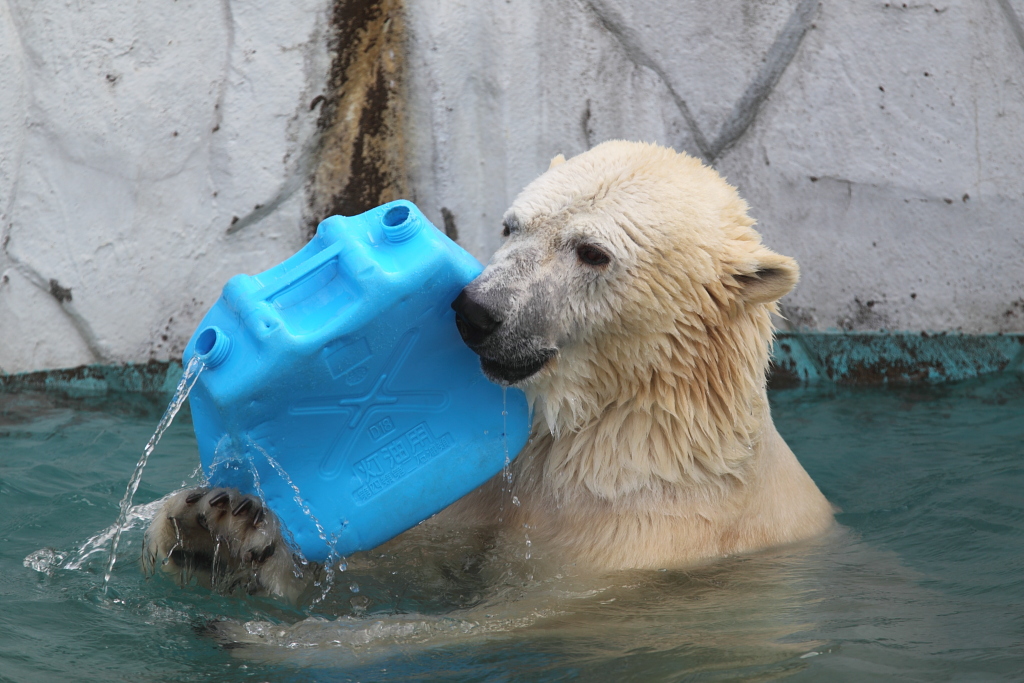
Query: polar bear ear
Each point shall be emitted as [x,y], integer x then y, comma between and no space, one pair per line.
[557,161]
[770,277]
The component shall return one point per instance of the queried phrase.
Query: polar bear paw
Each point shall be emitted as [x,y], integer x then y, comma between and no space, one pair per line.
[226,541]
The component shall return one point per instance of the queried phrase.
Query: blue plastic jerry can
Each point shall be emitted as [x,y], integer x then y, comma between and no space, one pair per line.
[337,387]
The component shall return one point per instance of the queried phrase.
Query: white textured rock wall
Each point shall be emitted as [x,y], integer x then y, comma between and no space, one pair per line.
[880,143]
[148,151]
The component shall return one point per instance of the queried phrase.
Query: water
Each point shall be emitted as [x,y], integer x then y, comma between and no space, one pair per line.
[188,380]
[332,556]
[923,581]
[506,469]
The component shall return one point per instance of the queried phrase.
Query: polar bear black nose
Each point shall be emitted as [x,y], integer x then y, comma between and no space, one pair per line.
[474,321]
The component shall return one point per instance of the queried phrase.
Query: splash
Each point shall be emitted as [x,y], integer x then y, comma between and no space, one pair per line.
[98,543]
[331,542]
[188,379]
[45,560]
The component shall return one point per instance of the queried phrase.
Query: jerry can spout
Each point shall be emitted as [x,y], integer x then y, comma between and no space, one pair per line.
[400,225]
[213,346]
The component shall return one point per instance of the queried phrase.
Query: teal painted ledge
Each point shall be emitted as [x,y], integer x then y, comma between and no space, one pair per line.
[155,377]
[798,358]
[891,357]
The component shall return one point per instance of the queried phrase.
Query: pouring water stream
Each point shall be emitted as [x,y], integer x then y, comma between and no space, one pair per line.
[188,379]
[191,374]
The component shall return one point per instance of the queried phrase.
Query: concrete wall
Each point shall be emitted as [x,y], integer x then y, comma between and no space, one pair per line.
[880,143]
[141,144]
[150,151]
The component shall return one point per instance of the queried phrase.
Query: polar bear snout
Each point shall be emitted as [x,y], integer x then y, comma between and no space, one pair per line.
[511,340]
[474,320]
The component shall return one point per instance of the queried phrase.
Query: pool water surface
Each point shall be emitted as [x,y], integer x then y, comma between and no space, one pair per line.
[923,579]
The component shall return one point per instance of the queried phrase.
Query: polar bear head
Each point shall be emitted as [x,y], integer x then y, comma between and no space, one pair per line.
[627,271]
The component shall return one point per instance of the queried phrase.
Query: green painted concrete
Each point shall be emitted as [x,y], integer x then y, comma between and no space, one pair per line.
[87,380]
[878,358]
[798,358]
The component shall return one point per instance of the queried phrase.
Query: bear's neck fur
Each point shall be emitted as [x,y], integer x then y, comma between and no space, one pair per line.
[680,408]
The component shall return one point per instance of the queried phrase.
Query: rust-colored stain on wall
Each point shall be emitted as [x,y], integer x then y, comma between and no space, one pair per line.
[362,119]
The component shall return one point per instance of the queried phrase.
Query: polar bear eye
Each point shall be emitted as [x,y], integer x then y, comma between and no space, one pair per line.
[591,255]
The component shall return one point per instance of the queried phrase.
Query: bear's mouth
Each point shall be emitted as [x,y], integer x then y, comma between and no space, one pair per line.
[505,372]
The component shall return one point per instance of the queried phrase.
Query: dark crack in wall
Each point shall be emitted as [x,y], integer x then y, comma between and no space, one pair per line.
[362,159]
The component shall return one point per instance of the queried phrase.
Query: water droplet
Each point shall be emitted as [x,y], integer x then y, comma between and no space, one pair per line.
[354,587]
[515,500]
[359,603]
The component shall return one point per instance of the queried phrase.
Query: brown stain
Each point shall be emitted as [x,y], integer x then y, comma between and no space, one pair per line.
[886,372]
[783,374]
[362,117]
[783,371]
[450,228]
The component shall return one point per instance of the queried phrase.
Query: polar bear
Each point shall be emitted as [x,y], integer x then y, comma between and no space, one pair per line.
[632,301]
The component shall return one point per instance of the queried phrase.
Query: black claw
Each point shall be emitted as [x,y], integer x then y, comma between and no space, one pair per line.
[242,507]
[257,519]
[191,560]
[193,497]
[221,500]
[263,555]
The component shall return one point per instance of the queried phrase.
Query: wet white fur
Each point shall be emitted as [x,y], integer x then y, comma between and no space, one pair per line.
[653,443]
